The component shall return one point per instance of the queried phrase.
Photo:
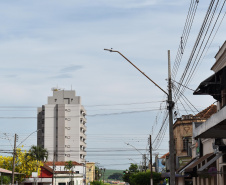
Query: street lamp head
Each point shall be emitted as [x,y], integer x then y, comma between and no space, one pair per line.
[111,50]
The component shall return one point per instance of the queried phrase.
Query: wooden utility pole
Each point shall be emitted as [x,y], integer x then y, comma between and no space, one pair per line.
[150,149]
[14,157]
[170,107]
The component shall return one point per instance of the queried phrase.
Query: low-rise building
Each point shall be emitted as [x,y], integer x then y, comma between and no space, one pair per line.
[208,165]
[90,172]
[55,173]
[183,131]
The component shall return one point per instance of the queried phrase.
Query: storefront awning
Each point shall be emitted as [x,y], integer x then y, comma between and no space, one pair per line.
[213,85]
[181,170]
[167,175]
[193,167]
[2,170]
[210,162]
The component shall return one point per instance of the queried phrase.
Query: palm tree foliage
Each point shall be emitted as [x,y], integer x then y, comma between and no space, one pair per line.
[69,166]
[38,153]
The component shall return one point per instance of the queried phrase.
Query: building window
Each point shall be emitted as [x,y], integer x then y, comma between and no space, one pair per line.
[187,145]
[61,183]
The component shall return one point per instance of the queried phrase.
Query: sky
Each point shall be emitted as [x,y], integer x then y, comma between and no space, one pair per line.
[46,44]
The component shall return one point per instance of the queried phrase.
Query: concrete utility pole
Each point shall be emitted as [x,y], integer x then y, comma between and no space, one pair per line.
[170,108]
[150,149]
[14,156]
[54,153]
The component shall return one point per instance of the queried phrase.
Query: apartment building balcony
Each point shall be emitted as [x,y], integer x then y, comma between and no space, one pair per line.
[83,126]
[214,127]
[82,150]
[83,140]
[83,114]
[83,134]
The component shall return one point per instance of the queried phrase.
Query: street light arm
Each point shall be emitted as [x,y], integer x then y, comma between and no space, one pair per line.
[111,50]
[28,137]
[134,148]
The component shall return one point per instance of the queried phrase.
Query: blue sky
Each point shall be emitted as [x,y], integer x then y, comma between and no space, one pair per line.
[44,44]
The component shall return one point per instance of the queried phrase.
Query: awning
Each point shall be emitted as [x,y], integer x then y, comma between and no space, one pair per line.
[193,167]
[189,163]
[210,162]
[2,170]
[167,175]
[213,85]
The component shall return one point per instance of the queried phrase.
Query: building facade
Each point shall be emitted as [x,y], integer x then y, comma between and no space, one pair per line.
[208,165]
[62,127]
[55,173]
[90,172]
[183,132]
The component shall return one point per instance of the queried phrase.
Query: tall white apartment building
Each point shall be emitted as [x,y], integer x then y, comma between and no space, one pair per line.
[62,127]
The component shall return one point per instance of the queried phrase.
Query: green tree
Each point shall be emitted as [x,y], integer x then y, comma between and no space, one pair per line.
[69,166]
[24,164]
[6,179]
[133,168]
[116,176]
[126,177]
[128,173]
[97,172]
[38,153]
[143,178]
[96,183]
[99,183]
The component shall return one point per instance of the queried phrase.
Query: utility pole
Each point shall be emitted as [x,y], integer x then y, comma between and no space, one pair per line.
[145,163]
[85,174]
[103,175]
[14,156]
[170,107]
[151,178]
[54,153]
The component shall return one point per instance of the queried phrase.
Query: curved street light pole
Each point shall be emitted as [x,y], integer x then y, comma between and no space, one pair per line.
[170,108]
[143,155]
[14,151]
